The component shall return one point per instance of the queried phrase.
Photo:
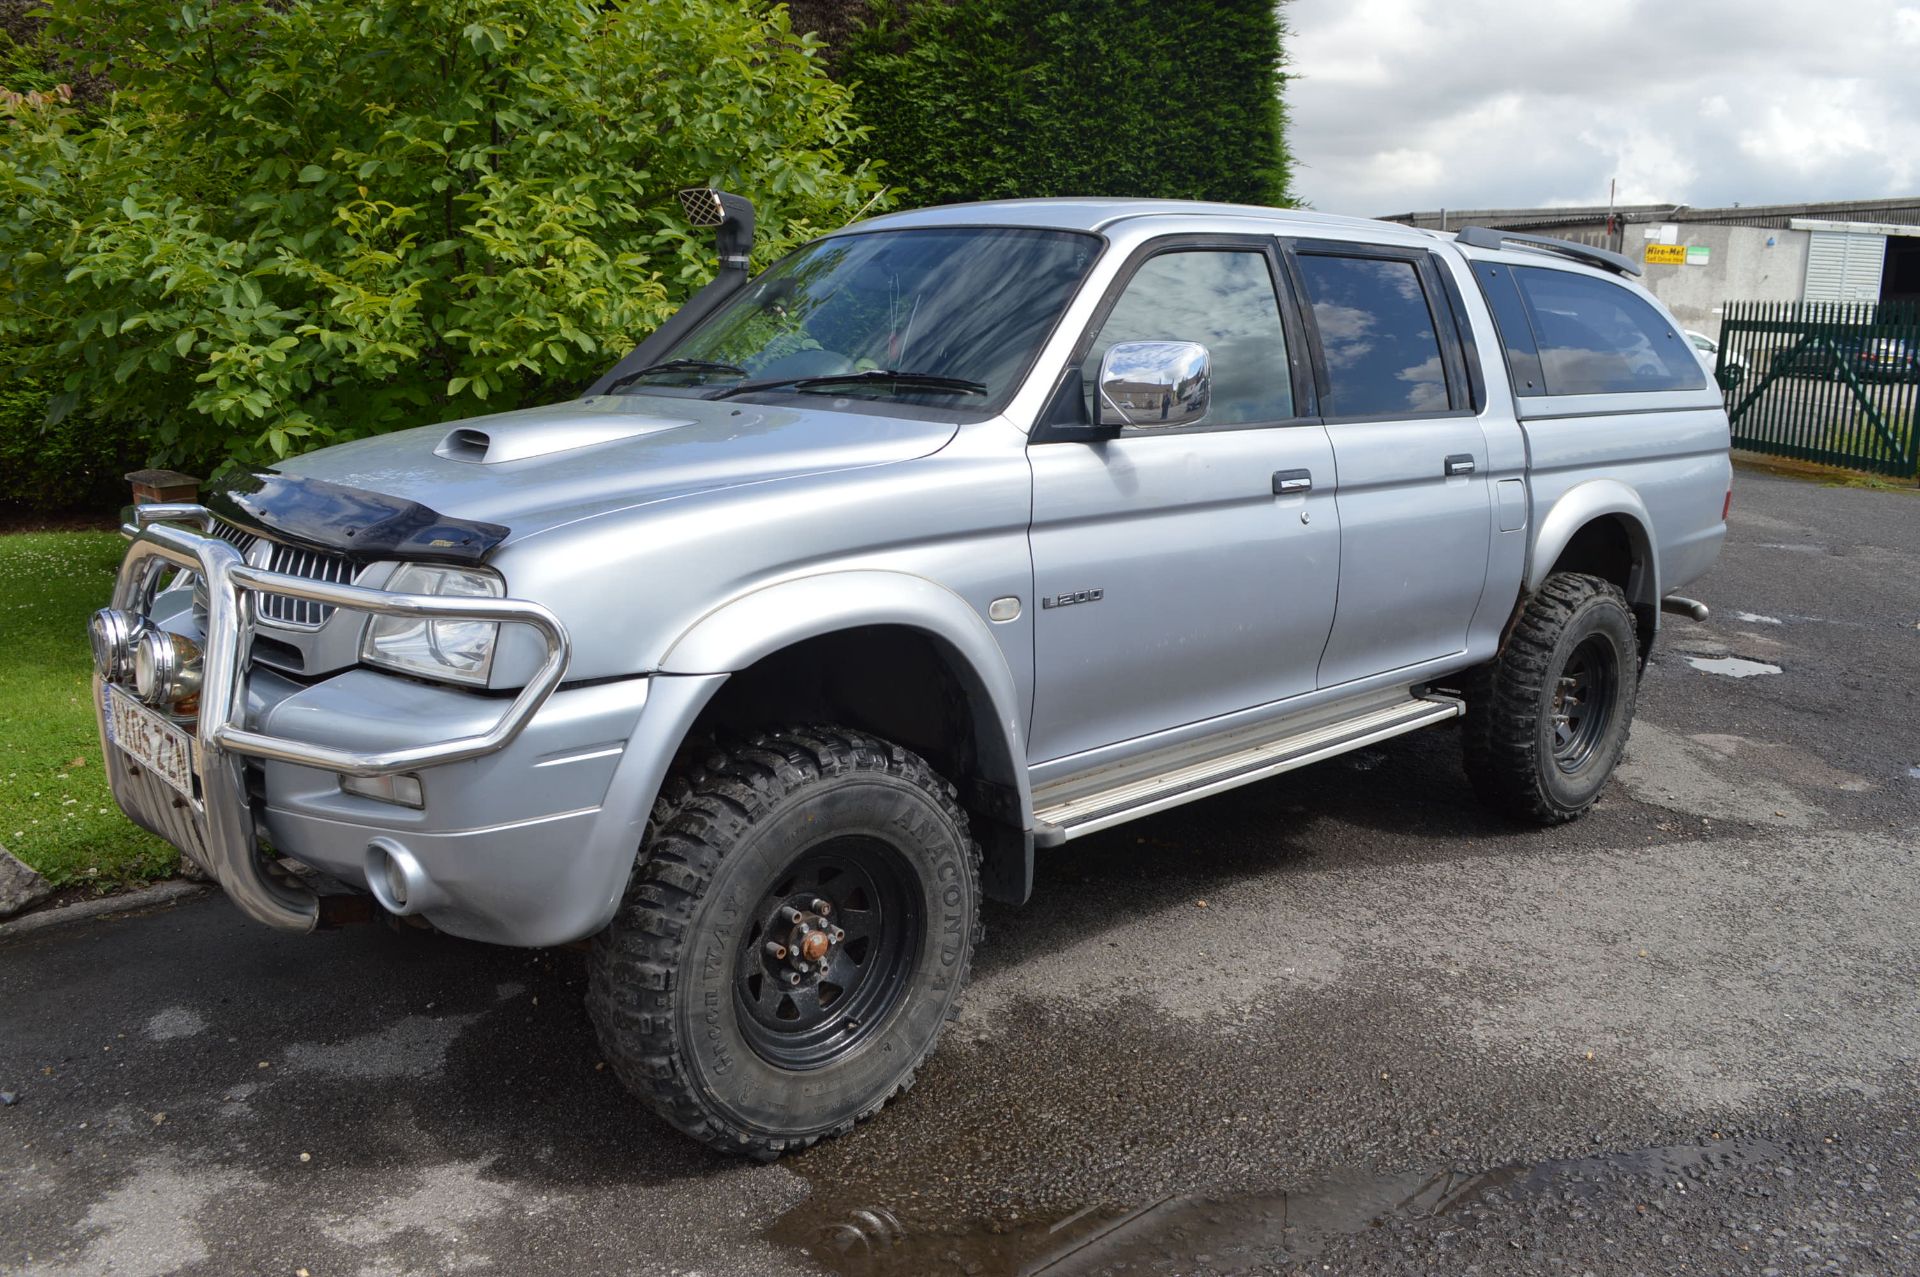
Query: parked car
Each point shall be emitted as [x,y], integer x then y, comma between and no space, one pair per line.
[1817,356]
[954,536]
[1731,372]
[1887,359]
[1869,358]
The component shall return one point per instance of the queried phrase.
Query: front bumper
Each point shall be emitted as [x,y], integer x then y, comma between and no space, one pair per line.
[505,848]
[216,826]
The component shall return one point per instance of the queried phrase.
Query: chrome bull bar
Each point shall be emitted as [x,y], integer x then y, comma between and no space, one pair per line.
[222,821]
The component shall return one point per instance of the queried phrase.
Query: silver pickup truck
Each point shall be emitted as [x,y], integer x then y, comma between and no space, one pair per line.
[952,536]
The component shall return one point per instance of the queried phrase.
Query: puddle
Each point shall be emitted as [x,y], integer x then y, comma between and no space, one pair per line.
[1754,618]
[1180,1235]
[1732,666]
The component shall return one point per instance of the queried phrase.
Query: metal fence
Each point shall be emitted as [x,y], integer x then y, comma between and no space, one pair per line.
[1834,382]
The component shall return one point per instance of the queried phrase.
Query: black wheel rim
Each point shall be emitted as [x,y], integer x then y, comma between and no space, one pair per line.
[813,983]
[1583,698]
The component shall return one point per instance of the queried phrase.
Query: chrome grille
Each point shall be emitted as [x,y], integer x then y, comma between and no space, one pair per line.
[239,538]
[314,565]
[277,609]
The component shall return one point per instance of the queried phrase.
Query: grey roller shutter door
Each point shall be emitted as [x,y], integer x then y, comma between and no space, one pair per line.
[1844,266]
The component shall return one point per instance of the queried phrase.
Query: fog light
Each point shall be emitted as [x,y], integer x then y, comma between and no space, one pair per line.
[397,880]
[396,876]
[112,634]
[166,668]
[403,790]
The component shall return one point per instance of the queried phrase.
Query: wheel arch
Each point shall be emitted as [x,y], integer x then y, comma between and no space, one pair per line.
[891,653]
[1601,528]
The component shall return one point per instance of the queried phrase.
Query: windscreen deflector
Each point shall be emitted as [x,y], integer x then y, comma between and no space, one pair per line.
[361,525]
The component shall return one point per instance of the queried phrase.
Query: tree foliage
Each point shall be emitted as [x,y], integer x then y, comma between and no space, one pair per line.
[301,221]
[985,99]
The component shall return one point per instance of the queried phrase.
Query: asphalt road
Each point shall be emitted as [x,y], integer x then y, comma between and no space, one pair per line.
[1679,1036]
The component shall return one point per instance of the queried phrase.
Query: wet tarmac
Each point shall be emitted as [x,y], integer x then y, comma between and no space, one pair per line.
[1177,1234]
[1344,1021]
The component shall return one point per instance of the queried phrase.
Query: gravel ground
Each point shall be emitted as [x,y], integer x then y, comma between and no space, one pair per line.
[1398,1036]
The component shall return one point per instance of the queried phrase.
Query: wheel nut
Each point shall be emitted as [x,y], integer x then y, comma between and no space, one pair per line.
[776,950]
[822,908]
[793,977]
[790,913]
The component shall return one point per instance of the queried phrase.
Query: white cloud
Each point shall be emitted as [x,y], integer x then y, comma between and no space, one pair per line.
[1405,104]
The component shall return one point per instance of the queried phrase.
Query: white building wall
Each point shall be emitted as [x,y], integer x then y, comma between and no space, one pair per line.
[1744,263]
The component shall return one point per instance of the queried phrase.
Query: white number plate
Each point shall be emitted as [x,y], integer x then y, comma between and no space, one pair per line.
[150,739]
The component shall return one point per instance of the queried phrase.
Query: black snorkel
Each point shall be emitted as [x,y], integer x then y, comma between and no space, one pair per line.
[731,216]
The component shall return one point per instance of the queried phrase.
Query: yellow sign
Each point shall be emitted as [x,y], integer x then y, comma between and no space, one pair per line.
[1667,254]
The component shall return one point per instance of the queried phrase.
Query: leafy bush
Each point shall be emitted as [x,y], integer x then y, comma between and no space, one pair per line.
[984,99]
[302,221]
[75,462]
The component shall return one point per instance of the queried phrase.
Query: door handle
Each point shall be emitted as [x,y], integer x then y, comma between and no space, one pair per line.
[1288,482]
[1460,463]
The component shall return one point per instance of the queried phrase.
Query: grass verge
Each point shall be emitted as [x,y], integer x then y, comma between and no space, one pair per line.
[55,811]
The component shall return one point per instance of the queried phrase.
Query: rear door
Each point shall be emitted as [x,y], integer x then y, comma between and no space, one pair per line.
[1409,452]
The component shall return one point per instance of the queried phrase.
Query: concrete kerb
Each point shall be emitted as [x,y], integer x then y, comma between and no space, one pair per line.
[164,893]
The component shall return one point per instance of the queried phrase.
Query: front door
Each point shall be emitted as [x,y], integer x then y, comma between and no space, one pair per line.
[1415,512]
[1176,581]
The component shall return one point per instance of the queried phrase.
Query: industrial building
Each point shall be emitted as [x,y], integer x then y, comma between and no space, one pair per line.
[1697,259]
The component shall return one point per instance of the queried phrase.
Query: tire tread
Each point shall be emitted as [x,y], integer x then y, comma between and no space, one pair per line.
[1504,697]
[715,793]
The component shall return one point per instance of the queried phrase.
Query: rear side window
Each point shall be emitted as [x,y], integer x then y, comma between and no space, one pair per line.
[1377,335]
[1516,330]
[1597,338]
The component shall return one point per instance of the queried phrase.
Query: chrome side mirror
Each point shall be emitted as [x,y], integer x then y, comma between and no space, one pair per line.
[1155,384]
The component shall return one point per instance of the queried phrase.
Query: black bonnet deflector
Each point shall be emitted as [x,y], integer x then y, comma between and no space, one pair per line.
[362,525]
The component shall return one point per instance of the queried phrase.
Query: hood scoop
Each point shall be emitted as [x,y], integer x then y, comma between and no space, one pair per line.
[506,440]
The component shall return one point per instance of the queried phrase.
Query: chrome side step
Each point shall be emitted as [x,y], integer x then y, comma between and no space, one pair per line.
[1070,808]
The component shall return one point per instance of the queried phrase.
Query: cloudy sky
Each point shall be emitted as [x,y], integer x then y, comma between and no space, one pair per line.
[1421,104]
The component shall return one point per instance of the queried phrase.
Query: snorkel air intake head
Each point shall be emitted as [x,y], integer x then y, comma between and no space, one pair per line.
[730,215]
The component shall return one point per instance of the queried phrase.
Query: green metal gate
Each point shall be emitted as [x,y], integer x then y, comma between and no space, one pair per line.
[1835,382]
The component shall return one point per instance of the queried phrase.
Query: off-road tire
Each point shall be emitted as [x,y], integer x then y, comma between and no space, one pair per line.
[1509,735]
[662,976]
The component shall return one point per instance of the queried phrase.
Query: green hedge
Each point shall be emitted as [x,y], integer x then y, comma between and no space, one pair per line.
[985,99]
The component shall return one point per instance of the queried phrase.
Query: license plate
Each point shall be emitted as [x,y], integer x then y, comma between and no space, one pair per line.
[150,740]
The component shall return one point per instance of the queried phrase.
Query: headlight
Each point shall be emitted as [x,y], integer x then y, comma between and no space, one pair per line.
[458,650]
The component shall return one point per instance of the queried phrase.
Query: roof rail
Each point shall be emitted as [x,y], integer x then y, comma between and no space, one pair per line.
[1487,237]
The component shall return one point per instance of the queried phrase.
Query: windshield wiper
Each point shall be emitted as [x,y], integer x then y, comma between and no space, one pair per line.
[673,365]
[868,376]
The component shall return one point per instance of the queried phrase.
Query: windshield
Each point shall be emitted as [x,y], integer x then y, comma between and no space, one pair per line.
[967,305]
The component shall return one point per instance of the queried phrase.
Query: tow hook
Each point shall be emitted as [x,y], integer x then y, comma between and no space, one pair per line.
[1680,605]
